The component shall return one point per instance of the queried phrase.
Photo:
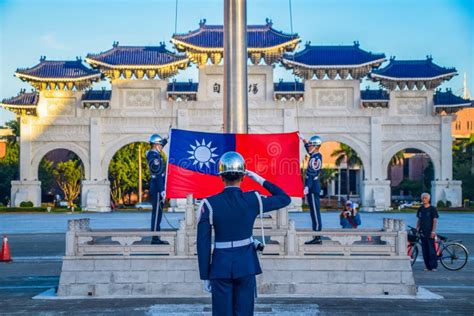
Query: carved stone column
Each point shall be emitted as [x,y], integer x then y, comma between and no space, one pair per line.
[28,188]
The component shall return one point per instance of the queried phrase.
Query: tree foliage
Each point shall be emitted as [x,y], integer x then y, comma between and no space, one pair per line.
[9,165]
[123,171]
[463,165]
[68,175]
[346,154]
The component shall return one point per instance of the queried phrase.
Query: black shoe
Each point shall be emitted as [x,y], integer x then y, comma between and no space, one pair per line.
[157,241]
[315,241]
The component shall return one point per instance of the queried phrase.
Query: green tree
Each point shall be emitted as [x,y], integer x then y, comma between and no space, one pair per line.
[123,172]
[45,174]
[68,176]
[397,159]
[9,165]
[463,165]
[326,176]
[346,154]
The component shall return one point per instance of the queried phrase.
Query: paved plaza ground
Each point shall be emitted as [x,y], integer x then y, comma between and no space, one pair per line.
[37,245]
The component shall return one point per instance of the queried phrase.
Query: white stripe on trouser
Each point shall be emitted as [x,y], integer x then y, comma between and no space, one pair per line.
[157,211]
[315,213]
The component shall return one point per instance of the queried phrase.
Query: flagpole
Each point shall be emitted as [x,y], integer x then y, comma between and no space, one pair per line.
[235,67]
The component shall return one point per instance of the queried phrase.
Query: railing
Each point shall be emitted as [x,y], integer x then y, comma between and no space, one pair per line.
[283,239]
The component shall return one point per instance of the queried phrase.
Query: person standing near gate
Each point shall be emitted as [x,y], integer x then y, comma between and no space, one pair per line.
[229,272]
[312,187]
[427,221]
[157,168]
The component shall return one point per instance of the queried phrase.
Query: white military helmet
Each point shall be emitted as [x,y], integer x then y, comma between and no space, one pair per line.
[157,139]
[231,162]
[315,141]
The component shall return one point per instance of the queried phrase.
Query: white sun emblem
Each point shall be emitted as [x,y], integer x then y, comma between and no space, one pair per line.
[202,154]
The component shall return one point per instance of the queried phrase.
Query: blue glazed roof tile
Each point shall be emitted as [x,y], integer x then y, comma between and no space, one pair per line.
[136,56]
[288,86]
[448,98]
[97,95]
[349,55]
[413,69]
[182,87]
[54,69]
[23,98]
[258,36]
[370,95]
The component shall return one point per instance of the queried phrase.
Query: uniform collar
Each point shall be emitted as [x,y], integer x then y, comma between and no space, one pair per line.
[232,187]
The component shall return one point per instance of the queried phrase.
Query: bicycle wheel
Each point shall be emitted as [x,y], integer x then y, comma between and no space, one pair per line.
[414,254]
[454,256]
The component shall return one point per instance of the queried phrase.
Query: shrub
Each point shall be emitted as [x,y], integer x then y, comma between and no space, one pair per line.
[448,204]
[26,204]
[440,204]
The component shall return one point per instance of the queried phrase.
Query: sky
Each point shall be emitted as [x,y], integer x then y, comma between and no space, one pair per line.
[62,30]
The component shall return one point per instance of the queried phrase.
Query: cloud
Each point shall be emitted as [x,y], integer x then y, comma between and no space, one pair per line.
[50,41]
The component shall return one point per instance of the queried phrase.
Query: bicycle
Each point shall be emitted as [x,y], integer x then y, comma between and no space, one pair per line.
[452,254]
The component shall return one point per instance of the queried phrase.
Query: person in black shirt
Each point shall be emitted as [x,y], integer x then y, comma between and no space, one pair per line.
[427,221]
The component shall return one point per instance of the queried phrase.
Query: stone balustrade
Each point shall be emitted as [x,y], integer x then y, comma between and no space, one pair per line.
[110,263]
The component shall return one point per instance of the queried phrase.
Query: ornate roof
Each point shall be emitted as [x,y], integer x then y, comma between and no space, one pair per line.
[412,73]
[212,37]
[135,56]
[350,56]
[182,91]
[374,95]
[207,43]
[288,86]
[138,61]
[52,74]
[23,103]
[57,70]
[333,60]
[288,91]
[447,98]
[413,69]
[97,95]
[182,87]
[374,98]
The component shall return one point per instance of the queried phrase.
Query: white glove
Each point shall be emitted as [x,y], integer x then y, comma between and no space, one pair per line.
[255,177]
[207,286]
[163,195]
[301,137]
[306,190]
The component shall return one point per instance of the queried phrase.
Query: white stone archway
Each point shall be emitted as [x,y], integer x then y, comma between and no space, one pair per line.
[39,154]
[113,148]
[329,108]
[427,149]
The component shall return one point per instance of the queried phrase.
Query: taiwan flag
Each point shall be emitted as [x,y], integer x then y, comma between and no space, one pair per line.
[194,158]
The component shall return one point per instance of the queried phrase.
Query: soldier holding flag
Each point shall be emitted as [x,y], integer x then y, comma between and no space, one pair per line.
[312,187]
[157,194]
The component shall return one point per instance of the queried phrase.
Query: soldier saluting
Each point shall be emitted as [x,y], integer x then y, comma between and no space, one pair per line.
[229,272]
[157,168]
[312,187]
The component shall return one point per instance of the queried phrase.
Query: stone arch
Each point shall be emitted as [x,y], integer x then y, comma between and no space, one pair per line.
[432,152]
[354,144]
[111,150]
[76,149]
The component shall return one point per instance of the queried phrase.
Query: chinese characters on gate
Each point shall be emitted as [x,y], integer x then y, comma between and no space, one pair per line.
[253,88]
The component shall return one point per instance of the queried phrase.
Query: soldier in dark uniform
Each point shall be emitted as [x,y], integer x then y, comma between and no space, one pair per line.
[157,183]
[312,187]
[229,272]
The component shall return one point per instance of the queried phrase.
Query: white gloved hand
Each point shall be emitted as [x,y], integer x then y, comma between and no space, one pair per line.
[163,195]
[306,190]
[301,137]
[207,286]
[255,177]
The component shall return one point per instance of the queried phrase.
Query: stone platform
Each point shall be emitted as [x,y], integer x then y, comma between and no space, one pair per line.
[110,263]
